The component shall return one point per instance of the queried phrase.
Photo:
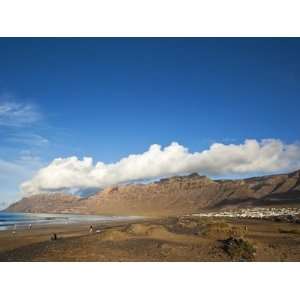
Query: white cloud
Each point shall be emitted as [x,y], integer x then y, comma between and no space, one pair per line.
[251,157]
[16,114]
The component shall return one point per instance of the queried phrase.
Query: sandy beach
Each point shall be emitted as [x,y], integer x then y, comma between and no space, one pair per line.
[165,239]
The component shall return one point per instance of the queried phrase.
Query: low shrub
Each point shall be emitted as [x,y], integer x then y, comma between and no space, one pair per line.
[239,249]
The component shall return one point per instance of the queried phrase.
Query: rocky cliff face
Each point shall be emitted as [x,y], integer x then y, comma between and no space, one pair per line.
[175,195]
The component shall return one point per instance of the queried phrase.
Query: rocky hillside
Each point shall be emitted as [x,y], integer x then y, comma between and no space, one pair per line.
[175,195]
[44,203]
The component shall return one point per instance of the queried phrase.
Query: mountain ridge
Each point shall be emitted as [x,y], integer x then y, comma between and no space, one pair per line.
[173,195]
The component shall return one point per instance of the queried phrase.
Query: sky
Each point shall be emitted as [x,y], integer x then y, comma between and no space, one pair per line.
[78,114]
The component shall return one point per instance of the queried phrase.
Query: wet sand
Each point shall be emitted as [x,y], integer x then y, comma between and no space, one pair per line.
[163,239]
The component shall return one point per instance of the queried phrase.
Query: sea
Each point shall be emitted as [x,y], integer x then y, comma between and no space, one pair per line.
[10,220]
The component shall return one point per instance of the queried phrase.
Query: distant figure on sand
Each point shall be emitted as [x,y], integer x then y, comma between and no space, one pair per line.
[29,226]
[91,229]
[15,228]
[53,237]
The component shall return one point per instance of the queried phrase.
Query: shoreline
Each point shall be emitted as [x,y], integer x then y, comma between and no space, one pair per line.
[21,220]
[42,232]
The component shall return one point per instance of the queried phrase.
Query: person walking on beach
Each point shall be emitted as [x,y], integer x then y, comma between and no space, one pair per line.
[91,229]
[53,237]
[15,228]
[30,226]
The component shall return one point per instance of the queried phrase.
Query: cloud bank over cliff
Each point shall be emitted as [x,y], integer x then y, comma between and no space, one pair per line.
[250,157]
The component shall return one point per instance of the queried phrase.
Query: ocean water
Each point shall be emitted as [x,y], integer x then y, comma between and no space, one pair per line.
[22,220]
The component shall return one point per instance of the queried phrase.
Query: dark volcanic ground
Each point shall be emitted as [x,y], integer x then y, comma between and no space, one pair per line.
[165,239]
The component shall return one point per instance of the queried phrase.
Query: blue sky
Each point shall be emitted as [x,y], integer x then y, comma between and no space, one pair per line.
[109,98]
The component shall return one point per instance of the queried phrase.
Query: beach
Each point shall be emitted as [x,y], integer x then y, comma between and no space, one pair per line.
[181,238]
